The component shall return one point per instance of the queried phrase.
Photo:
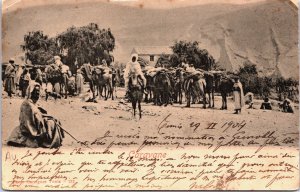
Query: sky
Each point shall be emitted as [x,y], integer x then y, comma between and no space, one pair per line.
[8,5]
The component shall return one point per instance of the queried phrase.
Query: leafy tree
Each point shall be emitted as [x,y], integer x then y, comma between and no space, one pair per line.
[163,60]
[249,78]
[39,48]
[86,44]
[252,82]
[191,53]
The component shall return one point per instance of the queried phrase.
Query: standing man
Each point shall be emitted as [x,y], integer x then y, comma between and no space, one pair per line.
[57,61]
[25,79]
[238,95]
[10,73]
[105,66]
[65,72]
[79,82]
[133,67]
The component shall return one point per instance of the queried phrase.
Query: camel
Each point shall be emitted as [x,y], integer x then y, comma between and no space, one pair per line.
[87,72]
[210,89]
[104,82]
[149,88]
[179,85]
[196,87]
[53,77]
[224,84]
[162,88]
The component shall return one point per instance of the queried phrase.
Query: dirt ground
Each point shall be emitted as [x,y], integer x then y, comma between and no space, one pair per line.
[176,131]
[87,121]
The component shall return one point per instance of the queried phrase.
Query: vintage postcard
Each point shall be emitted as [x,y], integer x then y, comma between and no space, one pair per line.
[150,95]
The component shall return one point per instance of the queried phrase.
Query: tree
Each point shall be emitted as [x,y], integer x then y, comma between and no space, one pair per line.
[252,82]
[39,48]
[163,61]
[191,53]
[86,44]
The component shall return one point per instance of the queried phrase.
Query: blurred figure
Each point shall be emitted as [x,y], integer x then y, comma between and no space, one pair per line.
[287,106]
[19,72]
[57,61]
[24,82]
[9,75]
[266,105]
[238,96]
[249,100]
[79,82]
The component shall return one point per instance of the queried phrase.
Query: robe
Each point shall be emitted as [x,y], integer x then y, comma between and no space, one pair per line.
[79,83]
[238,96]
[36,129]
[9,85]
[133,67]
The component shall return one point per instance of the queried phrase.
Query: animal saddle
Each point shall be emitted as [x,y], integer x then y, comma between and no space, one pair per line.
[54,72]
[195,76]
[138,83]
[87,72]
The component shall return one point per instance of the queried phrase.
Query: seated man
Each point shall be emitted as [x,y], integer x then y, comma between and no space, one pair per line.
[266,105]
[72,85]
[287,106]
[249,100]
[36,129]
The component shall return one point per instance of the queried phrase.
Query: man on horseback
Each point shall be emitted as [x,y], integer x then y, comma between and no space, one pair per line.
[133,67]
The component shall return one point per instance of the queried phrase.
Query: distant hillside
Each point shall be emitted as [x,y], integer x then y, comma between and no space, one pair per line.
[263,33]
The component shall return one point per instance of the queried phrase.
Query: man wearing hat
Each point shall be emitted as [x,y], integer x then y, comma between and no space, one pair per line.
[10,73]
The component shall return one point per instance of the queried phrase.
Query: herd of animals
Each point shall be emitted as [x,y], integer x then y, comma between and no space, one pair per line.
[164,86]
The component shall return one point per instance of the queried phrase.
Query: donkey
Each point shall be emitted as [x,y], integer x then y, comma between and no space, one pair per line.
[136,90]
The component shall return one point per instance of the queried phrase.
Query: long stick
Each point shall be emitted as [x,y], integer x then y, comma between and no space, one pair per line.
[74,137]
[67,131]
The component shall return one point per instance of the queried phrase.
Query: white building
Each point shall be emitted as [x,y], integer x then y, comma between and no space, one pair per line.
[150,54]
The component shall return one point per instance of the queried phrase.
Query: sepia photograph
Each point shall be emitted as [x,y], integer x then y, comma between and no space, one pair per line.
[150,95]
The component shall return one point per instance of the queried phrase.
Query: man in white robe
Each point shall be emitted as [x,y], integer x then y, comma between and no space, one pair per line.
[238,96]
[133,67]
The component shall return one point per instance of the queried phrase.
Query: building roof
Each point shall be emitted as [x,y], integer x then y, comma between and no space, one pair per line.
[152,50]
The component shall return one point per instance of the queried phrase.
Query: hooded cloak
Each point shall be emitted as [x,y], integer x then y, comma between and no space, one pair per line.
[35,129]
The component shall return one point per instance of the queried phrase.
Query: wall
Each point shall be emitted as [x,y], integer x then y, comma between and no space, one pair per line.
[147,59]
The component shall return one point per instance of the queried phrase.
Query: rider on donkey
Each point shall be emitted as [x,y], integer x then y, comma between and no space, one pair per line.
[133,67]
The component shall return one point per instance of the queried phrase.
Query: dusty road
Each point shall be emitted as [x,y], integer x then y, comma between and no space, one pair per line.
[256,146]
[87,121]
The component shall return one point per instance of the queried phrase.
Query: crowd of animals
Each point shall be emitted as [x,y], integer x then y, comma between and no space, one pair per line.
[164,86]
[101,81]
[167,86]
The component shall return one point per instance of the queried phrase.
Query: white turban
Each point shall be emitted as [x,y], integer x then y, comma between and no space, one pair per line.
[56,57]
[134,55]
[30,88]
